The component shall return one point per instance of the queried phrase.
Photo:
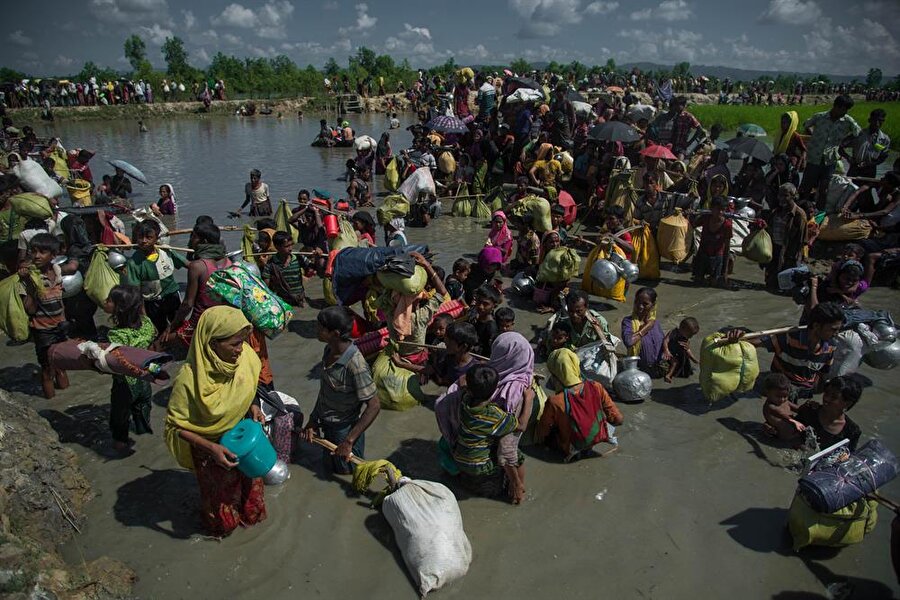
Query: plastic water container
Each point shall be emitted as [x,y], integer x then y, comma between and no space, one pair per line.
[255,453]
[332,228]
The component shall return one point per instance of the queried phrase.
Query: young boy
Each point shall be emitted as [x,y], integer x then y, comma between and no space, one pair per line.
[778,411]
[481,425]
[711,260]
[528,247]
[41,294]
[676,356]
[153,271]
[506,319]
[437,331]
[457,359]
[346,386]
[560,336]
[284,272]
[829,420]
[486,299]
[454,281]
[615,222]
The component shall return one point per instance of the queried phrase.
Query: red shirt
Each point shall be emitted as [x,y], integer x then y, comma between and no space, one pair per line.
[714,243]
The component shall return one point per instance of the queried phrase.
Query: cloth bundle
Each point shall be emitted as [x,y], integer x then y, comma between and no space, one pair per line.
[726,369]
[832,488]
[238,287]
[75,355]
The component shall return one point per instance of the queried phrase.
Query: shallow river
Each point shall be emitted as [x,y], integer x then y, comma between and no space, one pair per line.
[693,504]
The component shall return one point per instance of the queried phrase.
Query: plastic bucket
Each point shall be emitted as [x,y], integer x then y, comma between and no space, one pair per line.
[332,229]
[80,192]
[255,453]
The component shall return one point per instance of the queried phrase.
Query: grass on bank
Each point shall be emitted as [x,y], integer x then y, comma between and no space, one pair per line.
[730,117]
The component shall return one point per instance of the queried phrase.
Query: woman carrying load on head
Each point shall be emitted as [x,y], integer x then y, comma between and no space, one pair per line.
[214,390]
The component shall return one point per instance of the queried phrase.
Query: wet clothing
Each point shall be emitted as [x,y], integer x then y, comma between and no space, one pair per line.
[808,414]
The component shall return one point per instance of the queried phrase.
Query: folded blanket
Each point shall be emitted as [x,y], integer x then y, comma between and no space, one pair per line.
[76,355]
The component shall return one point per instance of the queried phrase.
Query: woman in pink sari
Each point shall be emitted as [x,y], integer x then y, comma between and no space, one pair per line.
[499,236]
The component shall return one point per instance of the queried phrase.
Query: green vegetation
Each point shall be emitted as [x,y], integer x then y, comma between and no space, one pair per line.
[769,117]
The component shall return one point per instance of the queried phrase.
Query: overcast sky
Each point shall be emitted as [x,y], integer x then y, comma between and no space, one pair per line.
[829,36]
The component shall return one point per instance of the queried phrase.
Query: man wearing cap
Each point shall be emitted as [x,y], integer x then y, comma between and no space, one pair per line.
[256,194]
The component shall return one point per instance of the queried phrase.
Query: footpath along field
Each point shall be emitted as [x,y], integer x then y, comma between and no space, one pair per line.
[769,117]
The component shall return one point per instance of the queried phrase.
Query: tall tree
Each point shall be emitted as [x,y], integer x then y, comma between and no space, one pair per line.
[135,51]
[520,66]
[176,57]
[874,77]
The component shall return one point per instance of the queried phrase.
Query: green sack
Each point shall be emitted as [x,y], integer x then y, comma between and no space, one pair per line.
[405,285]
[238,287]
[392,176]
[346,238]
[282,220]
[397,389]
[559,265]
[479,181]
[13,318]
[100,278]
[462,207]
[395,205]
[846,526]
[33,206]
[758,247]
[726,369]
[11,225]
[539,209]
[480,209]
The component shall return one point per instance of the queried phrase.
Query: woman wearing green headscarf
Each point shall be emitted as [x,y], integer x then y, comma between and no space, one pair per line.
[581,415]
[213,391]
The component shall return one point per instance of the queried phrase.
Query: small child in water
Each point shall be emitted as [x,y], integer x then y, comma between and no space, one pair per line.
[676,358]
[454,281]
[482,317]
[778,410]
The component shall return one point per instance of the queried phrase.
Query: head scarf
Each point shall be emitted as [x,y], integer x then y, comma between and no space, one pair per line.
[565,366]
[637,323]
[489,255]
[545,239]
[171,194]
[785,139]
[209,395]
[707,203]
[513,358]
[499,235]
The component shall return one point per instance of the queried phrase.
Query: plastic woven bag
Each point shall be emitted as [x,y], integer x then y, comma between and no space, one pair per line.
[238,287]
[673,237]
[100,278]
[13,318]
[726,369]
[282,220]
[404,285]
[843,527]
[560,264]
[758,247]
[462,207]
[428,529]
[392,176]
[838,229]
[395,205]
[397,388]
[31,205]
[646,253]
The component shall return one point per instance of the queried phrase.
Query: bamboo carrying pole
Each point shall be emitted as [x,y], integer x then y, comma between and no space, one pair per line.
[221,228]
[758,334]
[161,247]
[432,347]
[886,502]
[273,253]
[330,446]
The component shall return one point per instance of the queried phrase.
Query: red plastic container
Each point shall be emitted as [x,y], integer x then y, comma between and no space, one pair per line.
[332,229]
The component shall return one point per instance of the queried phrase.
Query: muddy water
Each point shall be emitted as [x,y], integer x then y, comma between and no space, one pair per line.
[694,501]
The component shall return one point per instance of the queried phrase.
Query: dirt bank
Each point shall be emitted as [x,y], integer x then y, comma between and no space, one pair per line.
[42,496]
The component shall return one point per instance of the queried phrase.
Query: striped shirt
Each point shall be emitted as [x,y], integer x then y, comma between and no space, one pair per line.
[286,279]
[50,310]
[479,428]
[803,365]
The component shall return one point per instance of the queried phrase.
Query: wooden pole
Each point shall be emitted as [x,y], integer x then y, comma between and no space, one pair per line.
[431,347]
[758,334]
[330,446]
[273,253]
[161,247]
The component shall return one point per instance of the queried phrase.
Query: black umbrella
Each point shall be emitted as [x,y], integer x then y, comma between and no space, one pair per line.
[574,96]
[750,146]
[525,83]
[614,131]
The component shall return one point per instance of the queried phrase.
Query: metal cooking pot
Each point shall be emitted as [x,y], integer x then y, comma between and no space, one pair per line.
[116,260]
[278,474]
[523,284]
[747,213]
[605,273]
[630,271]
[883,357]
[885,331]
[72,284]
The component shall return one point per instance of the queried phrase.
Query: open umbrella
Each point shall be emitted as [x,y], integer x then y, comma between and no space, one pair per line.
[750,146]
[574,96]
[657,151]
[583,109]
[752,129]
[130,170]
[447,124]
[614,131]
[525,82]
[614,89]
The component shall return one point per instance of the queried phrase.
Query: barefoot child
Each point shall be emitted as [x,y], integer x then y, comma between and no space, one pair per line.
[829,419]
[284,272]
[129,398]
[779,411]
[676,357]
[486,299]
[40,286]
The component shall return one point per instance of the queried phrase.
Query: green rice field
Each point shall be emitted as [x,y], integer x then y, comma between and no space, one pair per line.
[769,117]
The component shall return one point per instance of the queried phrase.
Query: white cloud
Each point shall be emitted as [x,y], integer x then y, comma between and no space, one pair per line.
[202,56]
[411,31]
[668,10]
[19,38]
[364,21]
[330,5]
[232,39]
[63,61]
[130,11]
[546,18]
[189,19]
[156,34]
[269,20]
[791,12]
[601,8]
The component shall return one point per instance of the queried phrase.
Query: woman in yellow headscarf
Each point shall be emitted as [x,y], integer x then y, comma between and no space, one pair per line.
[641,332]
[213,391]
[718,186]
[581,414]
[790,142]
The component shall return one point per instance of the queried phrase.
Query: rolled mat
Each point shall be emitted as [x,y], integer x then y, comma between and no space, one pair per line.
[77,355]
[832,488]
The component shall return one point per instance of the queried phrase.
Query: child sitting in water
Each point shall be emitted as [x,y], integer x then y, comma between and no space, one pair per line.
[506,319]
[457,359]
[454,281]
[829,420]
[129,401]
[778,411]
[528,248]
[676,356]
[486,299]
[284,272]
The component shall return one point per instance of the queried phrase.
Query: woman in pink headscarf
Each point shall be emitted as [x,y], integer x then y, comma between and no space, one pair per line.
[499,236]
[513,359]
[490,259]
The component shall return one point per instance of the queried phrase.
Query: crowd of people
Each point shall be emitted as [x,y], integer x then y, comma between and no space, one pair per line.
[526,157]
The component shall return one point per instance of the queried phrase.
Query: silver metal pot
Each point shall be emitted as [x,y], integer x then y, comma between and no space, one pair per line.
[883,357]
[605,273]
[523,284]
[72,284]
[630,271]
[632,384]
[116,260]
[278,474]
